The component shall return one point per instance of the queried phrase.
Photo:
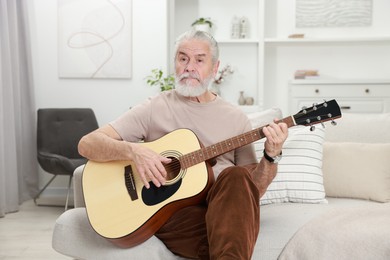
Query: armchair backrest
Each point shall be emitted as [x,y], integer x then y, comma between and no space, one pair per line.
[60,129]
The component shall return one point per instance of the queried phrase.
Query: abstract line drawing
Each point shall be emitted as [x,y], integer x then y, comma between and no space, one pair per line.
[333,13]
[94,38]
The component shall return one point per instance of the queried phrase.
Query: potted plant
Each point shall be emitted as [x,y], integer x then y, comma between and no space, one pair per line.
[203,24]
[157,79]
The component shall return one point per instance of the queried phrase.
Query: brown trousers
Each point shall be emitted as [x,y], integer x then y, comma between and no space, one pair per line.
[225,227]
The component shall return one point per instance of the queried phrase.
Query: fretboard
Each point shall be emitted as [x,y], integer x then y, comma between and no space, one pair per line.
[225,146]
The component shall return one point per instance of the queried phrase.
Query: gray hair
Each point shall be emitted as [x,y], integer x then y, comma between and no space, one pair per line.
[199,35]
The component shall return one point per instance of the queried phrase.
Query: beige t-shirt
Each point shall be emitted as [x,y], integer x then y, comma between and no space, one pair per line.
[211,122]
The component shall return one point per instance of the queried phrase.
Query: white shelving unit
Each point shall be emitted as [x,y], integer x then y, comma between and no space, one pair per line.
[339,54]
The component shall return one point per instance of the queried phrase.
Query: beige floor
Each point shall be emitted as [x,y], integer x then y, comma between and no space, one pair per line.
[27,233]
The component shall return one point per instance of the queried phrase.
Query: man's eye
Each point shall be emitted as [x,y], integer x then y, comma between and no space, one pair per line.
[200,61]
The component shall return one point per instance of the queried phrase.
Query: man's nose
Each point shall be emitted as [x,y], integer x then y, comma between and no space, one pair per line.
[190,66]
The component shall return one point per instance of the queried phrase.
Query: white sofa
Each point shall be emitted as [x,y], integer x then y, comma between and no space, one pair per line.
[335,209]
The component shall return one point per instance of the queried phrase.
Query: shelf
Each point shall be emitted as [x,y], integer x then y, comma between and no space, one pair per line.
[339,81]
[327,40]
[228,41]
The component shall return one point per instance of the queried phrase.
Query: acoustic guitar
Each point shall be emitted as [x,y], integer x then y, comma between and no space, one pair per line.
[123,211]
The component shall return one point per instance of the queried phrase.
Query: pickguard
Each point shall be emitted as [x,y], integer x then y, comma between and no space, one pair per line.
[155,195]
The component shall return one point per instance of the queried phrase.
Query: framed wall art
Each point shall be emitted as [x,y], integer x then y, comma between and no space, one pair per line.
[94,38]
[333,13]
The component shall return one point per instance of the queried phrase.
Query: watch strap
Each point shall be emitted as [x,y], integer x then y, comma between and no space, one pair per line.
[269,158]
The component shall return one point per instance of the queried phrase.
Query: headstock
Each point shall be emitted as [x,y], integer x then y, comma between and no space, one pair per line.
[318,113]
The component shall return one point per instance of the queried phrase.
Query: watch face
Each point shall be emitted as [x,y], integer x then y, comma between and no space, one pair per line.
[277,159]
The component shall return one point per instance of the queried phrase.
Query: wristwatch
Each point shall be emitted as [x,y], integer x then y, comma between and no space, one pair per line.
[275,159]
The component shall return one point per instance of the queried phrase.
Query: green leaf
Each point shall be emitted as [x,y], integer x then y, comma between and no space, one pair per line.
[157,78]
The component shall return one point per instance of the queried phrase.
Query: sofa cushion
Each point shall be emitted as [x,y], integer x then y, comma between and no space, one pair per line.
[73,236]
[343,233]
[357,170]
[299,177]
[360,128]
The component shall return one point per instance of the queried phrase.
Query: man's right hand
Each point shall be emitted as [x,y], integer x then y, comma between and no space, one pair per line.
[149,164]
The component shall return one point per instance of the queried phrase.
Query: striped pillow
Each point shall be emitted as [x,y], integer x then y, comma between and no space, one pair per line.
[299,178]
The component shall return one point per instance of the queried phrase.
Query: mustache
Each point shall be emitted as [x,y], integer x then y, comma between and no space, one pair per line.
[189,75]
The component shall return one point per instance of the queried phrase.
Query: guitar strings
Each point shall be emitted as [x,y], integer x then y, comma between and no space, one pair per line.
[209,152]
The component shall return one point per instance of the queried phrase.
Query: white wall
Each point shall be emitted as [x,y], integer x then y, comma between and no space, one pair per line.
[107,97]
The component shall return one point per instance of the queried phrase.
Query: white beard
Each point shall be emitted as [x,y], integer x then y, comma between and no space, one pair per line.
[189,90]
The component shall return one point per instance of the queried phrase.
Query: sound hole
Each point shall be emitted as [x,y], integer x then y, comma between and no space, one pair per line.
[173,168]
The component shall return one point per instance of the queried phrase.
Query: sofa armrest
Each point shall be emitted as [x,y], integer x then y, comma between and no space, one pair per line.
[78,188]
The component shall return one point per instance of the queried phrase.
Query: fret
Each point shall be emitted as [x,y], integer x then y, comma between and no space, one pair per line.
[200,155]
[227,144]
[207,152]
[236,143]
[193,157]
[183,161]
[214,150]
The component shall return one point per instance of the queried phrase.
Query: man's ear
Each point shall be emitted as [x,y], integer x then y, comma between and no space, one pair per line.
[215,69]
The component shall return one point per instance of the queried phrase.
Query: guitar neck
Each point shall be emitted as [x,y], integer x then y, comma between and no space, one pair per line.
[227,145]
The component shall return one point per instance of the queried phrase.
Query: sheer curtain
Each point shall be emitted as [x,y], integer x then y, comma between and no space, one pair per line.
[18,163]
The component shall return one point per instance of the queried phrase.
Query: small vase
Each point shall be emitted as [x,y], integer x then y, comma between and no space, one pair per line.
[235,30]
[241,99]
[249,101]
[244,28]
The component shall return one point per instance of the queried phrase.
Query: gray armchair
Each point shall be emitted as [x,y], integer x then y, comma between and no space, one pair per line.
[58,133]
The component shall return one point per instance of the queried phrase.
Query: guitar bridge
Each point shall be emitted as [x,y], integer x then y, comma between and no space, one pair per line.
[130,183]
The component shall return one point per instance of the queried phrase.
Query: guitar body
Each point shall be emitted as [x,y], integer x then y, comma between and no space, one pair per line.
[122,210]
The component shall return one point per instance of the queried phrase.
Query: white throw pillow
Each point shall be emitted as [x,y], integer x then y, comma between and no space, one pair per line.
[357,170]
[262,118]
[299,177]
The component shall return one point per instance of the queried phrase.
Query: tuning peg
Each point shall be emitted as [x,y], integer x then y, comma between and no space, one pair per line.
[304,109]
[312,128]
[333,122]
[323,125]
[325,104]
[315,106]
